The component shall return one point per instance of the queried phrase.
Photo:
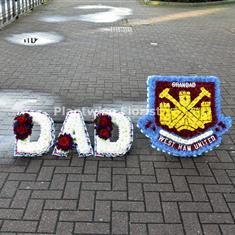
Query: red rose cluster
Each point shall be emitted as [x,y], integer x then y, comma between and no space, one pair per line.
[23,126]
[104,126]
[65,142]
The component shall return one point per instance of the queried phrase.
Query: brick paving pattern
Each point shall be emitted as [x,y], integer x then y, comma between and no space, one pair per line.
[145,192]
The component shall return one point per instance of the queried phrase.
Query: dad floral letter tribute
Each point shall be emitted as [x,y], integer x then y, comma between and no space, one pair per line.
[73,134]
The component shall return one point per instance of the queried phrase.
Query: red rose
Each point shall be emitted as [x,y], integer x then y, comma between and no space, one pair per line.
[104,134]
[105,121]
[65,142]
[21,119]
[21,130]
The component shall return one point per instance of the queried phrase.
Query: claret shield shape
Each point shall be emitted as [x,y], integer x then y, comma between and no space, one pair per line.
[184,117]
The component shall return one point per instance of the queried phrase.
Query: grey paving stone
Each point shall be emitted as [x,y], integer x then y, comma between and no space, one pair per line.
[203,169]
[147,168]
[191,223]
[34,166]
[76,216]
[141,178]
[92,228]
[81,178]
[126,171]
[168,165]
[171,212]
[68,170]
[163,176]
[33,210]
[198,192]
[3,177]
[180,183]
[60,204]
[111,195]
[211,229]
[102,211]
[120,223]
[46,173]
[218,202]
[195,207]
[152,201]
[135,192]
[21,199]
[224,156]
[104,174]
[201,180]
[5,203]
[58,181]
[46,194]
[119,183]
[158,187]
[146,218]
[48,221]
[11,213]
[227,229]
[138,229]
[64,228]
[56,162]
[22,176]
[90,167]
[220,188]
[9,189]
[185,172]
[34,185]
[86,201]
[96,186]
[229,197]
[127,206]
[221,177]
[216,218]
[19,226]
[71,190]
[167,229]
[175,196]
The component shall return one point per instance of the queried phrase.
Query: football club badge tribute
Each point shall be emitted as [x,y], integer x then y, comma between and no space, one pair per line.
[184,117]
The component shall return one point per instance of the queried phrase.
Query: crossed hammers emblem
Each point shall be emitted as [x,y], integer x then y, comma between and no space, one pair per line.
[185,111]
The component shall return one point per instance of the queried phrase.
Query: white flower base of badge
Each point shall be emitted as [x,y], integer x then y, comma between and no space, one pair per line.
[106,148]
[75,126]
[27,148]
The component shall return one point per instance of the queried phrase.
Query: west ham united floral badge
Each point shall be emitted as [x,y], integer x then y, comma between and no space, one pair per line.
[184,117]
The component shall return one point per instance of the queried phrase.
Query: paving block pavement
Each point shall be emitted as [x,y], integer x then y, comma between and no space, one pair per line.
[145,192]
[75,200]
